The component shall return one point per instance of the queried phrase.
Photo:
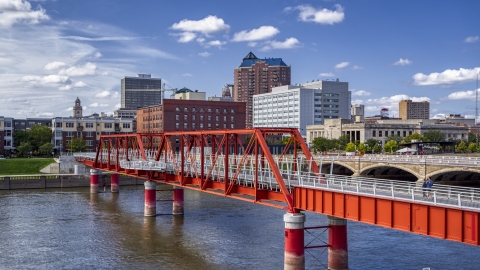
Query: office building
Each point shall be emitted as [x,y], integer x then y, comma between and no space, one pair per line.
[258,76]
[6,136]
[414,110]
[140,91]
[297,106]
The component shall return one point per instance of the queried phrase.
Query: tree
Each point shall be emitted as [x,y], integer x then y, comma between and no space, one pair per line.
[45,149]
[39,135]
[19,137]
[377,148]
[362,148]
[24,149]
[321,144]
[350,147]
[394,137]
[461,147]
[77,145]
[472,137]
[287,139]
[414,136]
[433,136]
[391,146]
[472,147]
[370,144]
[342,141]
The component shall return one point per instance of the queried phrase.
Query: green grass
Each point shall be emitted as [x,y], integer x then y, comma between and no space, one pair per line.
[16,166]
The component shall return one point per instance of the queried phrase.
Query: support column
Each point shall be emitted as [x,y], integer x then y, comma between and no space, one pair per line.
[114,182]
[177,201]
[150,199]
[294,241]
[94,180]
[337,244]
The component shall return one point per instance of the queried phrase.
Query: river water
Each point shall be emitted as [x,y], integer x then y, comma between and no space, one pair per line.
[73,229]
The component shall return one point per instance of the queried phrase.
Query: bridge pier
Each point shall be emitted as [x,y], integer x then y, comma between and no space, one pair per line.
[337,244]
[294,241]
[114,182]
[177,201]
[94,180]
[150,199]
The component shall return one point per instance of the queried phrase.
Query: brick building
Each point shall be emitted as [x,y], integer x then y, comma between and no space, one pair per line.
[181,115]
[258,76]
[414,110]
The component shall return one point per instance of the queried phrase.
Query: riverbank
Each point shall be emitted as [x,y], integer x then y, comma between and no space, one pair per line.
[59,181]
[21,166]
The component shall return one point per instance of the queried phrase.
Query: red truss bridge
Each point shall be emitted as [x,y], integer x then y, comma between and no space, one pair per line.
[217,162]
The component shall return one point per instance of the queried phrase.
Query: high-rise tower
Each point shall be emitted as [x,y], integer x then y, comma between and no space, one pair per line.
[141,91]
[77,108]
[258,76]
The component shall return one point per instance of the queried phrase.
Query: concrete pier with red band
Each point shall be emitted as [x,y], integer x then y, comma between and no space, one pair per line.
[150,199]
[94,180]
[294,241]
[114,181]
[177,201]
[337,244]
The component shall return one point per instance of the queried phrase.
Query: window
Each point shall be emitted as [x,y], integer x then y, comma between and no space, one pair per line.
[89,125]
[202,110]
[69,125]
[201,125]
[69,134]
[224,110]
[209,125]
[216,125]
[177,117]
[89,143]
[386,133]
[185,109]
[374,133]
[8,133]
[58,124]
[193,126]
[193,109]
[201,117]
[216,117]
[209,117]
[232,110]
[185,125]
[193,117]
[177,109]
[232,126]
[126,125]
[177,125]
[209,109]
[224,125]
[404,133]
[185,117]
[107,125]
[89,134]
[232,118]
[379,133]
[224,118]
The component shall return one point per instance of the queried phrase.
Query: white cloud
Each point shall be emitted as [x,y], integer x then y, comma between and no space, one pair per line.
[289,43]
[360,93]
[107,94]
[322,15]
[216,43]
[357,67]
[439,116]
[402,62]
[205,54]
[342,65]
[186,37]
[30,78]
[56,79]
[326,74]
[87,69]
[449,76]
[469,95]
[54,65]
[207,25]
[187,75]
[471,39]
[79,84]
[97,55]
[263,32]
[19,11]
[96,104]
[200,40]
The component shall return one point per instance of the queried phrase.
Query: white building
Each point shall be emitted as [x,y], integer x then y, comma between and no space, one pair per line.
[296,106]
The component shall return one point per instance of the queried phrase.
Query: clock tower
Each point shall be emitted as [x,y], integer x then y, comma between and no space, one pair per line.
[77,109]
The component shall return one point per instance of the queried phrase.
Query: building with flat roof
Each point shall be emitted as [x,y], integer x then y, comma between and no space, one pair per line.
[186,93]
[140,91]
[181,115]
[414,110]
[6,136]
[258,76]
[297,106]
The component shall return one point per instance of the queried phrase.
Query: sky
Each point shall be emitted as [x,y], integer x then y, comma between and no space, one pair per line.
[54,51]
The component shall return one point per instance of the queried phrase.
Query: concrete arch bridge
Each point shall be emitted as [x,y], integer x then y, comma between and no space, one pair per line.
[452,170]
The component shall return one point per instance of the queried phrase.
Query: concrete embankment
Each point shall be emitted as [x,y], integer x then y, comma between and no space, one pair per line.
[60,181]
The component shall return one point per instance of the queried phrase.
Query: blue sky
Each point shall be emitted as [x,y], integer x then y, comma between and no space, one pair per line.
[53,51]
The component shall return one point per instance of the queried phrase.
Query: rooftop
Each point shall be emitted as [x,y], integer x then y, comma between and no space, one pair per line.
[251,59]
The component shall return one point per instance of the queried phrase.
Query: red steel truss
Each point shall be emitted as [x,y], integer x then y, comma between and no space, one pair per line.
[221,143]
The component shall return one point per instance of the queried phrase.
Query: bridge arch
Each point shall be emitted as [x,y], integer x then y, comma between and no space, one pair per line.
[378,166]
[336,162]
[456,175]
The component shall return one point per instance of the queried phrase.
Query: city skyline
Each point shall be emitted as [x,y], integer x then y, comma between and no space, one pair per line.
[54,51]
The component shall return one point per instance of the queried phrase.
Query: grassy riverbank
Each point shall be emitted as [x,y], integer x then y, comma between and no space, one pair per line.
[18,166]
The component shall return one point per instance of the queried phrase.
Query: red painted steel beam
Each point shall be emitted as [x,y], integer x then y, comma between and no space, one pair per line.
[437,221]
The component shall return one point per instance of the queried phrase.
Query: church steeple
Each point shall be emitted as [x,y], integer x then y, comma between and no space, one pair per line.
[77,109]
